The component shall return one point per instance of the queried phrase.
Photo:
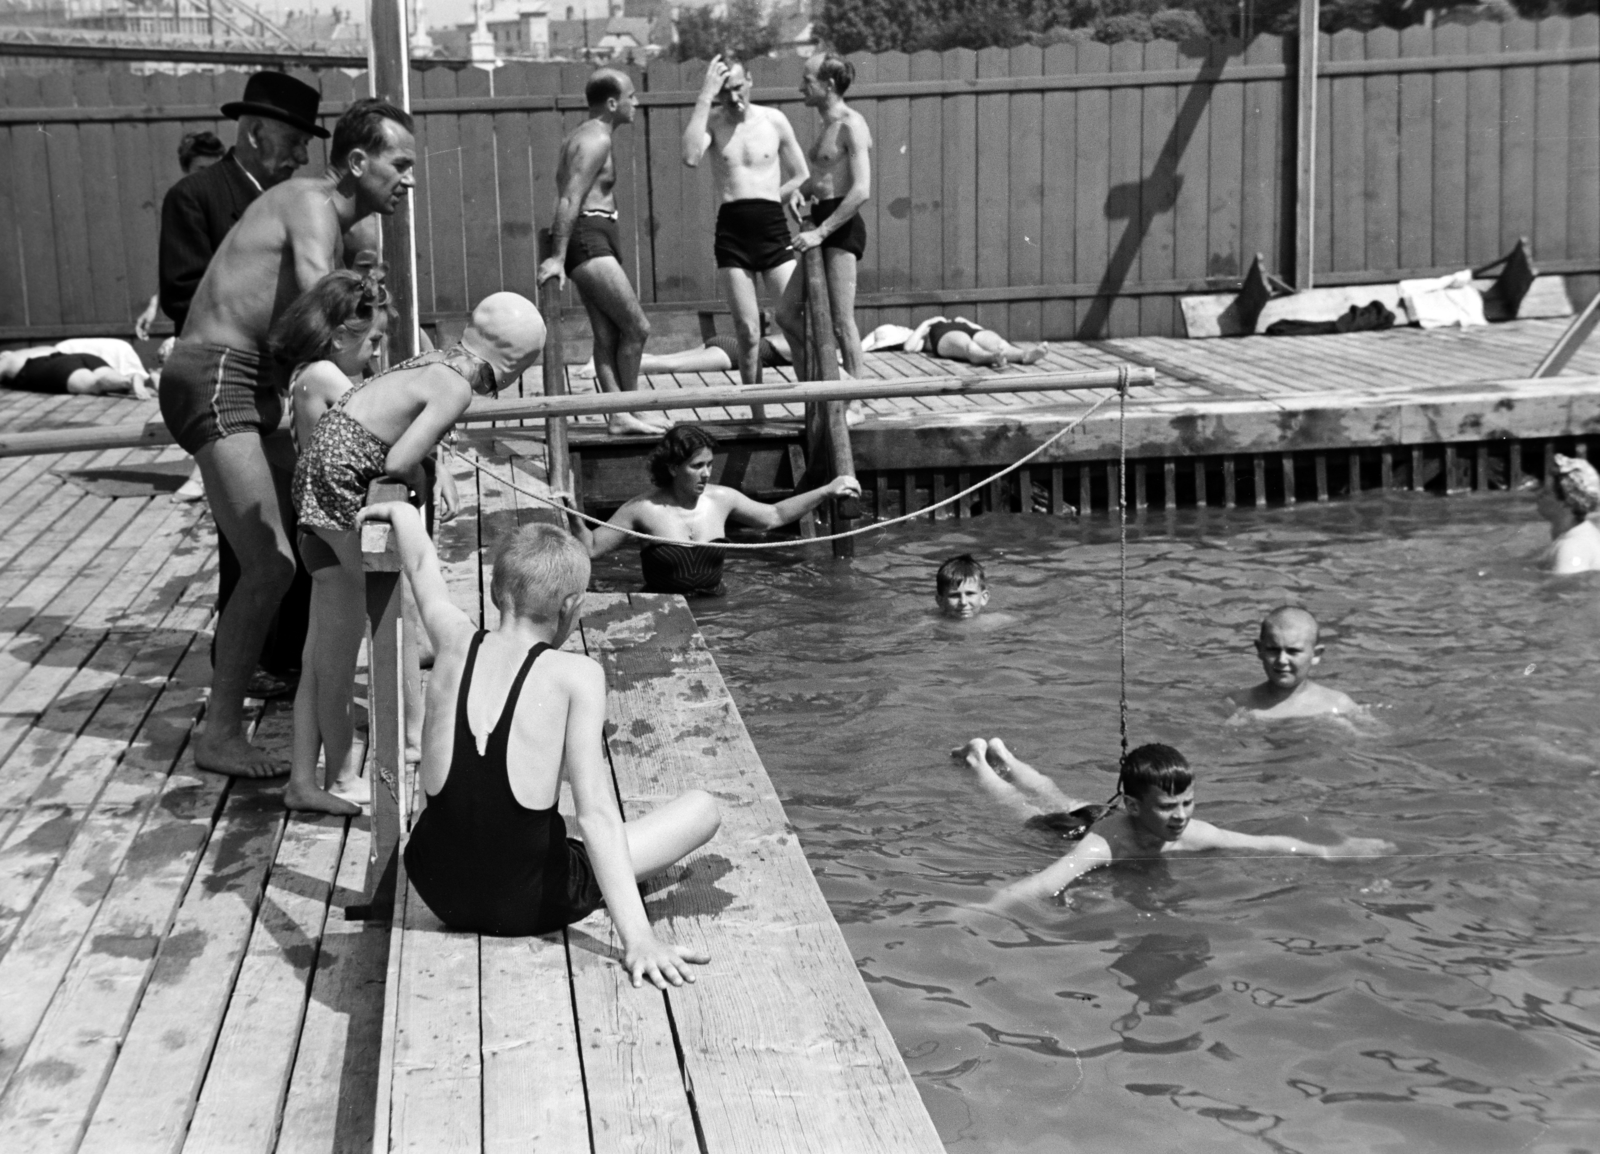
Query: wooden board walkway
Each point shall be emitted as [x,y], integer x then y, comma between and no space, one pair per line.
[179,972]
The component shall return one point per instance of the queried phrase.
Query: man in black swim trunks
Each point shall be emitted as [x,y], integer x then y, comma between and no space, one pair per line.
[839,186]
[584,243]
[757,165]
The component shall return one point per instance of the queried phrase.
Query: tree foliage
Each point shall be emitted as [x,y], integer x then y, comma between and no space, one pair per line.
[743,33]
[915,25]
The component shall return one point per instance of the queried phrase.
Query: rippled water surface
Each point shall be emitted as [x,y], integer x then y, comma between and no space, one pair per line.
[1445,999]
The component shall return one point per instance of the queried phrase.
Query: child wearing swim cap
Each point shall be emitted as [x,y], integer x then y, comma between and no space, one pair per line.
[1289,645]
[1567,502]
[1154,817]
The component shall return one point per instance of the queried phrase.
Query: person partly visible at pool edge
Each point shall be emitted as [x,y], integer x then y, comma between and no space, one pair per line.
[1156,787]
[1567,502]
[508,713]
[584,243]
[685,506]
[1289,646]
[961,587]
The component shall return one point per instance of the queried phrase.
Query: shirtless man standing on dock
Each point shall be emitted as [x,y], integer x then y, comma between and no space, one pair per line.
[222,391]
[839,186]
[757,164]
[584,243]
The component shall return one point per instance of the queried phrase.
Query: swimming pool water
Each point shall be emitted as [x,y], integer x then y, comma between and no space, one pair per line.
[1445,999]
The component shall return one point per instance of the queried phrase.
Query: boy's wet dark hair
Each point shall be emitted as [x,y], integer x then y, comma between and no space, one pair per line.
[1154,767]
[958,569]
[679,444]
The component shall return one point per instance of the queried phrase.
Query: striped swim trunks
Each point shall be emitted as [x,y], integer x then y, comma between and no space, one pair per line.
[209,392]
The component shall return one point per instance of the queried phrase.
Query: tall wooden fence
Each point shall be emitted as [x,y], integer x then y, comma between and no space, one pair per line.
[1070,191]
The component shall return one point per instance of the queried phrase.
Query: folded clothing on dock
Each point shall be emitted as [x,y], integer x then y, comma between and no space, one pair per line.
[1370,317]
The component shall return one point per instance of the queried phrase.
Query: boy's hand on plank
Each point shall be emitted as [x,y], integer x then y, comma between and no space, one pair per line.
[660,963]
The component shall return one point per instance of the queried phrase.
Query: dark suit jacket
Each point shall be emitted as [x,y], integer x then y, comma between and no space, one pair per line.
[197,213]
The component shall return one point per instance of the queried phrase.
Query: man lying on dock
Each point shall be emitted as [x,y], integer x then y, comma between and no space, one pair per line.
[1156,817]
[490,853]
[1289,646]
[684,506]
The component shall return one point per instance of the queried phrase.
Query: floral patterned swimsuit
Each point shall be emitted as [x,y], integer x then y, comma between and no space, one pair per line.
[333,472]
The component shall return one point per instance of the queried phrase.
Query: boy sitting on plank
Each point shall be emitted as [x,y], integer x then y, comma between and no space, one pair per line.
[507,713]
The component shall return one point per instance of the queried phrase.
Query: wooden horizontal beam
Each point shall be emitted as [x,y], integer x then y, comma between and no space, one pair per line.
[135,53]
[882,90]
[483,410]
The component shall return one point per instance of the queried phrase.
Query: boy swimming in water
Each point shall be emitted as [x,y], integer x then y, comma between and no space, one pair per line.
[1156,788]
[509,714]
[961,588]
[1289,647]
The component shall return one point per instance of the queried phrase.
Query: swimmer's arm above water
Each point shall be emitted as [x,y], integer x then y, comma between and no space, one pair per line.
[601,540]
[787,511]
[1089,854]
[1202,835]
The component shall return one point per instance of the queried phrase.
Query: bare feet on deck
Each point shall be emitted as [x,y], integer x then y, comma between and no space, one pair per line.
[357,790]
[629,425]
[317,800]
[1033,354]
[854,413]
[236,757]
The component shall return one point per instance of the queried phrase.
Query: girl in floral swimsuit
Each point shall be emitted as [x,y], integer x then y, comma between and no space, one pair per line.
[384,426]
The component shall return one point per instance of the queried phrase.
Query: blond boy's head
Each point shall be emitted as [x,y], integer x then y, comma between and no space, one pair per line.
[540,573]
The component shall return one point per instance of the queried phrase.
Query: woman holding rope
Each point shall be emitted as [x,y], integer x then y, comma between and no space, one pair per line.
[685,507]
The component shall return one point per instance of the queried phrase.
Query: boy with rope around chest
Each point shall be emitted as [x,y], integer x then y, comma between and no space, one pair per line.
[1151,816]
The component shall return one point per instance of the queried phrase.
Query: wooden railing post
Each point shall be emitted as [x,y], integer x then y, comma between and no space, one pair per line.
[826,427]
[389,77]
[558,464]
[1305,146]
[386,721]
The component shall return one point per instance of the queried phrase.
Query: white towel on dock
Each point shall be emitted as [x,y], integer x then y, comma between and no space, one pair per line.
[1443,302]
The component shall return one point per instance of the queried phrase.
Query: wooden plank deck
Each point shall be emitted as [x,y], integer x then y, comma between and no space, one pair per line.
[179,972]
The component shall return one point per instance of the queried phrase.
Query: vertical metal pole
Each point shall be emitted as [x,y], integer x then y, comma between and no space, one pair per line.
[389,77]
[1305,144]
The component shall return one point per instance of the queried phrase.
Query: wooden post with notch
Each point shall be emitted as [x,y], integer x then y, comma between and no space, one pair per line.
[827,426]
[557,459]
[386,722]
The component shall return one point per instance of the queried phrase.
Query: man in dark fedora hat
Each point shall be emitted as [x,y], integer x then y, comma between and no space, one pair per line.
[277,118]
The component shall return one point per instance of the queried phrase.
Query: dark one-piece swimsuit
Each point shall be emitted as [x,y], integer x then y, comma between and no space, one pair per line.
[692,570]
[481,860]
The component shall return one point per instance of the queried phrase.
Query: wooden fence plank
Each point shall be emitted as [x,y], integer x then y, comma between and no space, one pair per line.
[1058,173]
[925,147]
[1382,146]
[1414,245]
[513,174]
[422,204]
[1488,133]
[631,152]
[1091,225]
[1455,125]
[1583,191]
[1267,132]
[35,221]
[1125,199]
[890,215]
[138,206]
[1162,138]
[1521,120]
[960,123]
[1347,160]
[1192,210]
[1026,210]
[482,260]
[443,172]
[1552,144]
[995,159]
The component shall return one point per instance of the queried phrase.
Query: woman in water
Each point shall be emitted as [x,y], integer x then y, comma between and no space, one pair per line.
[1567,501]
[684,506]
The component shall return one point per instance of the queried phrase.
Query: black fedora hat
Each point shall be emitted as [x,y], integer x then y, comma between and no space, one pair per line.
[280,97]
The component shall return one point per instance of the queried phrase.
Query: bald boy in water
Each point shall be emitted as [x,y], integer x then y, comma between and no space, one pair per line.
[1289,647]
